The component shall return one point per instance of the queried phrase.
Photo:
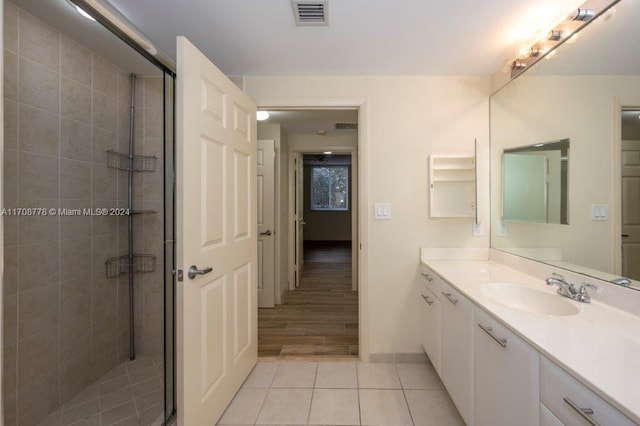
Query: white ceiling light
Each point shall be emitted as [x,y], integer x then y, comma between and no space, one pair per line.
[81,11]
[328,152]
[262,115]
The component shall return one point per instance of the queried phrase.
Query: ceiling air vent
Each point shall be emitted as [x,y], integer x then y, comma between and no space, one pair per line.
[346,126]
[310,13]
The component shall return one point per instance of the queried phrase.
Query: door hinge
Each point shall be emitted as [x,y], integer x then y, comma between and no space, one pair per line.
[179,274]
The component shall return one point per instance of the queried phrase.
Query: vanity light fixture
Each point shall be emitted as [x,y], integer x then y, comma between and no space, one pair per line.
[262,115]
[565,31]
[583,15]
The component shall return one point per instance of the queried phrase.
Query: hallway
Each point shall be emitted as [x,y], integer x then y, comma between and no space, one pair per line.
[321,316]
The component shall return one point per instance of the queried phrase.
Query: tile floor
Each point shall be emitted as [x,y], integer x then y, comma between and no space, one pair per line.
[341,393]
[130,394]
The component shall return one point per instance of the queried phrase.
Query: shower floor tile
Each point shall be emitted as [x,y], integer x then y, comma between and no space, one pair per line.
[129,394]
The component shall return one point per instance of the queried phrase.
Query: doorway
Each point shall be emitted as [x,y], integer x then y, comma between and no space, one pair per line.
[317,313]
[630,193]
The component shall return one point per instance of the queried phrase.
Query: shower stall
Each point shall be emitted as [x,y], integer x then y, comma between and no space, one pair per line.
[88,201]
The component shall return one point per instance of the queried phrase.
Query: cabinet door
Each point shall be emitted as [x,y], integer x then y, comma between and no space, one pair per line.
[572,402]
[457,350]
[430,326]
[506,375]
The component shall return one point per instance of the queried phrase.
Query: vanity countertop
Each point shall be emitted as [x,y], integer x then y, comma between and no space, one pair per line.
[600,345]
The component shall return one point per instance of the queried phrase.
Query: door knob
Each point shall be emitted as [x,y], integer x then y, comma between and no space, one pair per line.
[193,271]
[267,232]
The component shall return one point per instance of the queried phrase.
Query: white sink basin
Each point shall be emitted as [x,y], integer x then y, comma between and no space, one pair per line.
[529,299]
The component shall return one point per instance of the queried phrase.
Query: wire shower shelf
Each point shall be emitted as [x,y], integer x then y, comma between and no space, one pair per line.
[137,163]
[142,263]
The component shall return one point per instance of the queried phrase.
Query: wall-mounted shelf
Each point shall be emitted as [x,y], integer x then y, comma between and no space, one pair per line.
[142,263]
[137,163]
[452,186]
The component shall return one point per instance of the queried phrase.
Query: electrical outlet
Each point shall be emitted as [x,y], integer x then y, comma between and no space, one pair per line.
[501,229]
[478,229]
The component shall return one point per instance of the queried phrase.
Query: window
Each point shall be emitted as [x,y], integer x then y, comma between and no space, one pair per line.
[330,188]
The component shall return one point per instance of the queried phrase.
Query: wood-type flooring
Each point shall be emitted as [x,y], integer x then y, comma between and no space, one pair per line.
[320,317]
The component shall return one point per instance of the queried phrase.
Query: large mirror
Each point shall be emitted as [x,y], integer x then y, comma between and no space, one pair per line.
[586,92]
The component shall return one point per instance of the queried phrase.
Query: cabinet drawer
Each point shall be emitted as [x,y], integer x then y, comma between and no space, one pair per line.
[547,418]
[565,396]
[431,280]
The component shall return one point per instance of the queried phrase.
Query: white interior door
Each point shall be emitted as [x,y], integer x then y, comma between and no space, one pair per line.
[266,222]
[631,209]
[216,228]
[299,216]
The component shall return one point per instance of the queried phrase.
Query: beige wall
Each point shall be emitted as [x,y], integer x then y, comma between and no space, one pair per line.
[407,119]
[540,109]
[65,323]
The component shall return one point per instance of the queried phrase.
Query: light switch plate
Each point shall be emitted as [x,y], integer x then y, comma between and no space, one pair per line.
[600,212]
[501,229]
[478,229]
[382,211]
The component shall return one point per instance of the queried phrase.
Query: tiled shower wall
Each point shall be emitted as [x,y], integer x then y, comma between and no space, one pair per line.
[65,323]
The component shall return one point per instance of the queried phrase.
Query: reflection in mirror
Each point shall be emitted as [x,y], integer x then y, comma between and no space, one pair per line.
[535,183]
[580,94]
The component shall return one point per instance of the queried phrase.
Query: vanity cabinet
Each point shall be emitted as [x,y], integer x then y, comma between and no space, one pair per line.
[571,402]
[457,350]
[506,375]
[430,313]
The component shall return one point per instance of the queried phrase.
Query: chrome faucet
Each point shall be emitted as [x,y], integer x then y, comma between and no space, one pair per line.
[566,289]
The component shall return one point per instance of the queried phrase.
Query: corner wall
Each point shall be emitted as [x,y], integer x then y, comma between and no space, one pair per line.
[408,119]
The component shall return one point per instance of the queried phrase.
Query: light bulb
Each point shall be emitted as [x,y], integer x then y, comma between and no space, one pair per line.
[262,115]
[81,11]
[555,35]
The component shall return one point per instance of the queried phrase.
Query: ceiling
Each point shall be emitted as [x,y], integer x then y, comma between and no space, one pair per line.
[364,37]
[312,121]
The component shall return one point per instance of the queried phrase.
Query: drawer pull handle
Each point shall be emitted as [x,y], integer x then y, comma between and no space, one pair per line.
[427,276]
[489,331]
[426,299]
[585,413]
[450,298]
